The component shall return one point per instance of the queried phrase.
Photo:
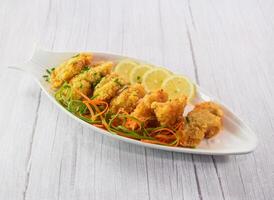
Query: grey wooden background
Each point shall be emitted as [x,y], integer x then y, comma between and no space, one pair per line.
[225,46]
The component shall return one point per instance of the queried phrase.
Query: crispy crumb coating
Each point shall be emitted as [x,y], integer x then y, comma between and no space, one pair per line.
[204,121]
[190,135]
[109,87]
[170,112]
[84,81]
[207,115]
[143,111]
[68,69]
[211,107]
[128,99]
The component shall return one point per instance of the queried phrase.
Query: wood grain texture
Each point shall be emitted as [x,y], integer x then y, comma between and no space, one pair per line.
[225,46]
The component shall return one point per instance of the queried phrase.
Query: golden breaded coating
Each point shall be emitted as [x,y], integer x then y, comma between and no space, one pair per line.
[105,80]
[84,81]
[143,111]
[208,116]
[104,68]
[128,99]
[170,112]
[204,121]
[108,87]
[190,135]
[68,69]
[82,86]
[211,107]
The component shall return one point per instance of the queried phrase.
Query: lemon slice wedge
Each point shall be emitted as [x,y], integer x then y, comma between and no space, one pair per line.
[136,75]
[124,67]
[153,78]
[178,85]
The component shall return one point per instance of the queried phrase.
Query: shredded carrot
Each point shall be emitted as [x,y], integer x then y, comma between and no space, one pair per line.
[89,108]
[99,113]
[122,111]
[179,125]
[133,124]
[164,129]
[98,102]
[94,103]
[98,125]
[83,95]
[102,112]
[155,142]
[163,136]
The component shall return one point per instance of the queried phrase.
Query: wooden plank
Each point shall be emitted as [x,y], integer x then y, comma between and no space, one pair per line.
[53,157]
[19,96]
[16,123]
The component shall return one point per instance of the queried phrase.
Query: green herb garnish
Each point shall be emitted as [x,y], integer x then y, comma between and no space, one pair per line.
[85,68]
[118,82]
[47,76]
[75,55]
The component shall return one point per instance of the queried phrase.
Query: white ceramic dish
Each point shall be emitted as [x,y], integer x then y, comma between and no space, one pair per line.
[235,137]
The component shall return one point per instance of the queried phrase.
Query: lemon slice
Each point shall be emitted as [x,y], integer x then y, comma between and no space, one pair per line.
[177,85]
[153,78]
[124,67]
[136,75]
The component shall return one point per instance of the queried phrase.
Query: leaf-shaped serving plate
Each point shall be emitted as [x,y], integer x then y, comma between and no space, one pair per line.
[234,138]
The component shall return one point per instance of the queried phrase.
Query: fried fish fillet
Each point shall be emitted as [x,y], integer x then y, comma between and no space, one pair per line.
[109,87]
[190,135]
[204,121]
[84,81]
[211,107]
[68,69]
[128,99]
[143,111]
[170,112]
[208,116]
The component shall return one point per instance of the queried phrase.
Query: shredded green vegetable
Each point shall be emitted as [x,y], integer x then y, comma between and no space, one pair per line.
[114,123]
[63,95]
[77,107]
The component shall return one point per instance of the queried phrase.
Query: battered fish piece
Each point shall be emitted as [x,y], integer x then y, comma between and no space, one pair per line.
[170,112]
[190,135]
[211,107]
[68,69]
[204,121]
[84,81]
[207,116]
[128,99]
[108,87]
[143,111]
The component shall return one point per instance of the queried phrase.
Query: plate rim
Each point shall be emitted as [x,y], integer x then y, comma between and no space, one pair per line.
[252,146]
